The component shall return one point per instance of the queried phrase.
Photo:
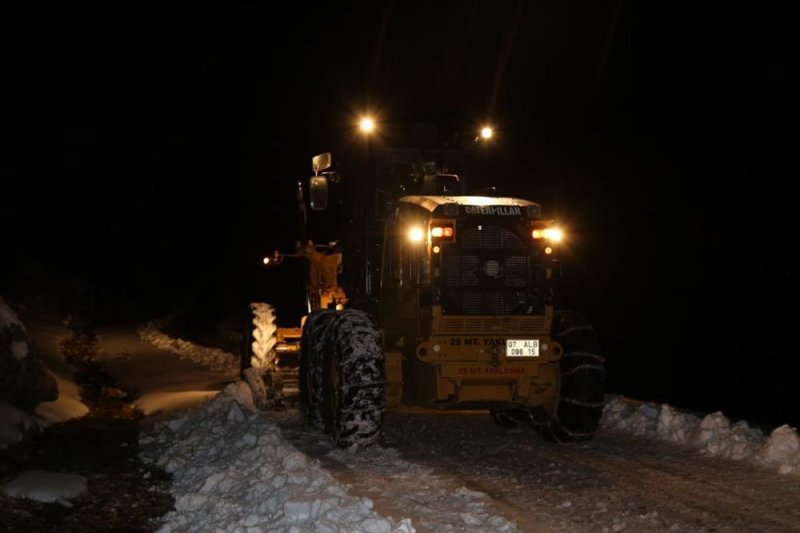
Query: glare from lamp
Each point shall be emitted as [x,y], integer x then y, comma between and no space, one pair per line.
[366,125]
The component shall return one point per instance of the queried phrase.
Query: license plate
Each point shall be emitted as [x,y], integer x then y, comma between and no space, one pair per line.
[522,348]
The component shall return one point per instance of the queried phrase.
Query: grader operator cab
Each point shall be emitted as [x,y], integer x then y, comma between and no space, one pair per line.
[465,319]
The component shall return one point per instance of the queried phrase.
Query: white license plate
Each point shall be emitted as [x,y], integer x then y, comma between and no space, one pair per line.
[522,348]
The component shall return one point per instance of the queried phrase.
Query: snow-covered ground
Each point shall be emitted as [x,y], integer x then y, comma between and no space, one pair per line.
[457,472]
[652,468]
[165,375]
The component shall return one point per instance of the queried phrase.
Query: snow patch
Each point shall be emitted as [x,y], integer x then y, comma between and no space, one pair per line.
[46,487]
[713,435]
[67,406]
[212,358]
[233,470]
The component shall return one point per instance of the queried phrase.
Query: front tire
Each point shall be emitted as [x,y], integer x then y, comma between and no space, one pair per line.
[354,384]
[581,380]
[312,349]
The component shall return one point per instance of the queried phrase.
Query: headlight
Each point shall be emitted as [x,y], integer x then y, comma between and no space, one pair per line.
[416,234]
[551,234]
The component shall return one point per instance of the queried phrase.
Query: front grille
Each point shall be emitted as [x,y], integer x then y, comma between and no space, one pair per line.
[462,302]
[490,237]
[488,272]
[506,324]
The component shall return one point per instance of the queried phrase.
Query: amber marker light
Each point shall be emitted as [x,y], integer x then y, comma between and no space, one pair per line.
[443,231]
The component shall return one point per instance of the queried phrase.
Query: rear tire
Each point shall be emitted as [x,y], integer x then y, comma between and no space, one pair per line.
[581,381]
[263,337]
[354,384]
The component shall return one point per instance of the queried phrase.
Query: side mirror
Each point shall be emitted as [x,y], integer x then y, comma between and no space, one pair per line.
[321,162]
[318,192]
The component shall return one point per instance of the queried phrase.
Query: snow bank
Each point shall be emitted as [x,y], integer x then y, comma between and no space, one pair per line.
[212,358]
[46,487]
[234,471]
[713,435]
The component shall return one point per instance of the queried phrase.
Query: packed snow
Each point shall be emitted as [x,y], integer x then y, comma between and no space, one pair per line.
[439,503]
[712,435]
[46,487]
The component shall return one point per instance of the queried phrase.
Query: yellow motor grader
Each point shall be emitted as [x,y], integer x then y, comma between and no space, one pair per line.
[454,308]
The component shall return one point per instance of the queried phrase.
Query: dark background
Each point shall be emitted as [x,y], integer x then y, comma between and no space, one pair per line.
[151,152]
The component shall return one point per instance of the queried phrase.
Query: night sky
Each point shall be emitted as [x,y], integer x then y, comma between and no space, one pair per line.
[151,151]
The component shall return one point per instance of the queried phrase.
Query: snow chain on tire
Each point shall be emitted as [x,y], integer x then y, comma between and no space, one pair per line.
[312,348]
[581,380]
[354,384]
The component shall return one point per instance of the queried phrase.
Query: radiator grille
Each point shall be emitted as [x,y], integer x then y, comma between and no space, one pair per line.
[489,272]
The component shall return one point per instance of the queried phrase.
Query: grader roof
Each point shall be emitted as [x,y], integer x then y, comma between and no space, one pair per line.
[432,202]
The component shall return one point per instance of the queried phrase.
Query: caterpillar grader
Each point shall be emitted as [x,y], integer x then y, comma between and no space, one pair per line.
[449,303]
